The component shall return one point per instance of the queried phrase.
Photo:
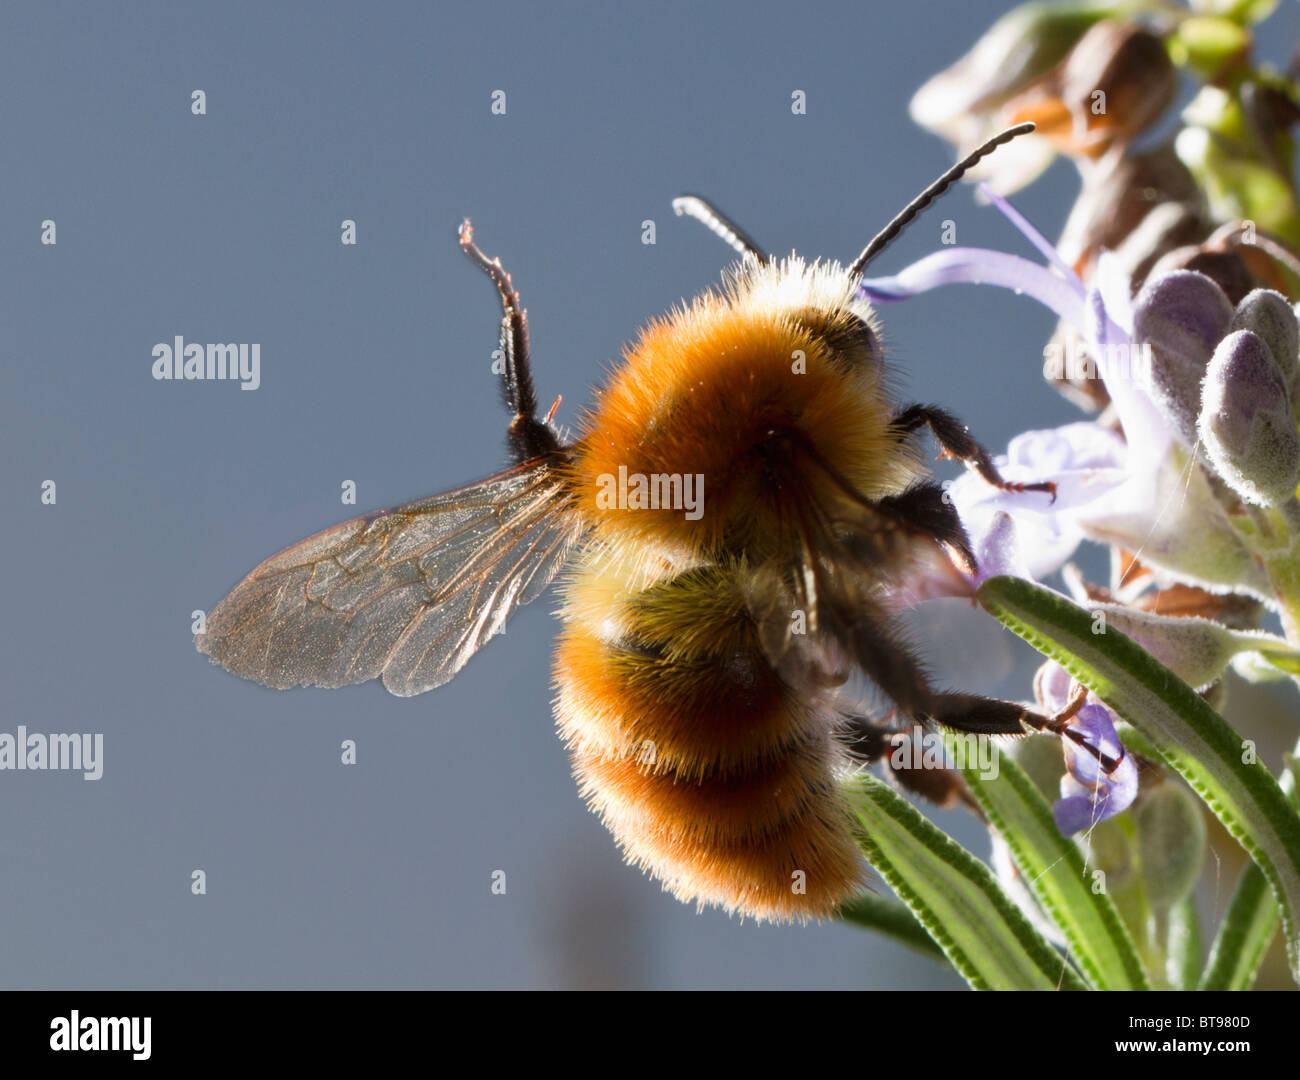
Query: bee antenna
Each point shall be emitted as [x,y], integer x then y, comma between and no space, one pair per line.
[934,191]
[720,225]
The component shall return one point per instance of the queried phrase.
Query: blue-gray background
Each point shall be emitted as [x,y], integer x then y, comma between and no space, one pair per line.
[376,369]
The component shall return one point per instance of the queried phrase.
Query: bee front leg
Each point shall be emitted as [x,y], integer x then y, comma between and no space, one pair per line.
[955,441]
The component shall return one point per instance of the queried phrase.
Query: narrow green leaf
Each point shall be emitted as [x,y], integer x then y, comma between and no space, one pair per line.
[1183,730]
[1244,935]
[1183,944]
[1053,869]
[1248,925]
[981,931]
[892,919]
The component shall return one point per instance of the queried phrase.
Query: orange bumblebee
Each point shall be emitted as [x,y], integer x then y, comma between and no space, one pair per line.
[701,650]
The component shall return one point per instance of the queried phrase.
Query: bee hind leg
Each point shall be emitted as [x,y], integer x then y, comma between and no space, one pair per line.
[887,661]
[896,745]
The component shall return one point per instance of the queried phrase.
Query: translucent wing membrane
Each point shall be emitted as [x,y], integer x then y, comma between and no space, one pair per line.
[410,594]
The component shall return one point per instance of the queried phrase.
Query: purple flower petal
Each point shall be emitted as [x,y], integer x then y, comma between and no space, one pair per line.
[1089,794]
[997,551]
[1072,447]
[980,266]
[1074,813]
[1093,722]
[1122,362]
[1084,460]
[1061,292]
[1112,280]
[1078,811]
[1052,686]
[1045,247]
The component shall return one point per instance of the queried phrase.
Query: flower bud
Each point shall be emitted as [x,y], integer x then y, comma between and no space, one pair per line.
[1229,142]
[1227,269]
[1208,45]
[1167,227]
[1244,12]
[1150,193]
[1246,424]
[962,102]
[1171,842]
[1195,649]
[1052,686]
[1270,316]
[1113,849]
[1183,315]
[1016,49]
[1115,83]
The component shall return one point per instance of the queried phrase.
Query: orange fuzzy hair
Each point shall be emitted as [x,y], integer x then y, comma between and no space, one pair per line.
[699,390]
[710,771]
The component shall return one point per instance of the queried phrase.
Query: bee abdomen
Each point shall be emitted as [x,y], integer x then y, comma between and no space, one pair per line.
[772,844]
[711,774]
[721,808]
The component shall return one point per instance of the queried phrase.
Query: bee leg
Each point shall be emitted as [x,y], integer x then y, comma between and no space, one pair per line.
[887,661]
[991,716]
[955,441]
[528,437]
[870,741]
[928,508]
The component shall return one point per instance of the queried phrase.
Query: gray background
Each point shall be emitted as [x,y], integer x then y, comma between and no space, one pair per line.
[375,368]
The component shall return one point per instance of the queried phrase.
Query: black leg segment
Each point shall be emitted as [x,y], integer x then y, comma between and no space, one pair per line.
[927,508]
[528,436]
[889,663]
[955,441]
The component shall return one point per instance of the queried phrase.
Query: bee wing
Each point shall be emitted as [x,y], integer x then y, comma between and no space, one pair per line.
[410,593]
[828,611]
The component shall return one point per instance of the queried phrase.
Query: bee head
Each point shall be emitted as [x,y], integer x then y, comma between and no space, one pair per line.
[819,300]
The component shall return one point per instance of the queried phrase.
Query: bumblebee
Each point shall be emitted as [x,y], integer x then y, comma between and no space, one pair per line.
[703,646]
